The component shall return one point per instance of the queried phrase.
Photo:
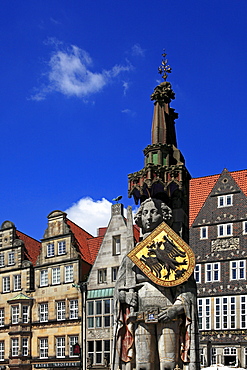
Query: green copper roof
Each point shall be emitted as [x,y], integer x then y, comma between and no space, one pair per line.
[100,293]
[19,296]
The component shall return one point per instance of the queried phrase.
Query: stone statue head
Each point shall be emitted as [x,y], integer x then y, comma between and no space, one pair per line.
[151,213]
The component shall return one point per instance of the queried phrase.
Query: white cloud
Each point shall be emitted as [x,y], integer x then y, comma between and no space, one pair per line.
[137,50]
[128,111]
[70,73]
[125,86]
[90,214]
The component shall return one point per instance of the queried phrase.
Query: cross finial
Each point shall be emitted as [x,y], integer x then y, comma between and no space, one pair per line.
[164,68]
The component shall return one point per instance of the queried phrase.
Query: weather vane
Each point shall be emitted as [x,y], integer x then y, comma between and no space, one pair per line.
[164,68]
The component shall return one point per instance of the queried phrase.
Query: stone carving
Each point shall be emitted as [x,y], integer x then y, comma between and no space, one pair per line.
[163,93]
[156,326]
[225,244]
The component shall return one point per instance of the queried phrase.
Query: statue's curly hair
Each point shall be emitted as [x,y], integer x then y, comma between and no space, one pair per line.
[164,210]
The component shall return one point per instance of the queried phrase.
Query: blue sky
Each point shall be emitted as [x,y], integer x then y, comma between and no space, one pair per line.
[75,98]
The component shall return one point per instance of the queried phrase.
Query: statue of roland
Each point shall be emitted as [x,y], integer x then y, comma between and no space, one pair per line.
[168,338]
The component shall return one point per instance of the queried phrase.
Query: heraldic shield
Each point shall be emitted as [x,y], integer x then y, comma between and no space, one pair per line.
[164,257]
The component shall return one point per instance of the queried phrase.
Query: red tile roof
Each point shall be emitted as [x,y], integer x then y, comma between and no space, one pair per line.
[201,187]
[32,246]
[94,246]
[82,238]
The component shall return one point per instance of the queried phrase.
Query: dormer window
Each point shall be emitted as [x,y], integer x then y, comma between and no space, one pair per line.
[225,200]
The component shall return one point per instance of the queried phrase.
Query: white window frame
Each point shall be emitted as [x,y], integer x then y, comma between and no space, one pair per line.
[197,273]
[15,347]
[60,347]
[238,270]
[15,313]
[225,200]
[114,271]
[43,277]
[1,350]
[225,309]
[116,245]
[2,318]
[17,282]
[204,313]
[25,346]
[61,310]
[211,272]
[2,262]
[222,230]
[6,284]
[73,339]
[25,314]
[99,313]
[243,313]
[11,258]
[43,347]
[43,312]
[73,309]
[50,250]
[102,276]
[69,274]
[202,229]
[244,227]
[213,356]
[61,247]
[56,276]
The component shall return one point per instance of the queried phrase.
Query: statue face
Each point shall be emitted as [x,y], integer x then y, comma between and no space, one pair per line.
[151,217]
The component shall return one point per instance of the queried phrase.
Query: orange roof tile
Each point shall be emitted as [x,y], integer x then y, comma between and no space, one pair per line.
[201,187]
[81,237]
[94,246]
[32,246]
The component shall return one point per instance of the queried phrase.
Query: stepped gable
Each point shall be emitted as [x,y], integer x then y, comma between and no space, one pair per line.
[32,247]
[81,237]
[201,187]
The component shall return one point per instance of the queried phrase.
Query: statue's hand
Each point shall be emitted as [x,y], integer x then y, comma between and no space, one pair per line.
[128,297]
[170,313]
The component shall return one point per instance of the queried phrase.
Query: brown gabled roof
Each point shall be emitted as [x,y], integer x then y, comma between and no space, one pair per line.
[82,238]
[94,246]
[201,187]
[32,246]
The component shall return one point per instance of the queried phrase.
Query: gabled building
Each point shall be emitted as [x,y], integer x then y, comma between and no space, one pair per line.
[218,235]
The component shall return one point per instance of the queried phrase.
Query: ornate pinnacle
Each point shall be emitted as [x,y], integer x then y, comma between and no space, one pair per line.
[163,93]
[164,68]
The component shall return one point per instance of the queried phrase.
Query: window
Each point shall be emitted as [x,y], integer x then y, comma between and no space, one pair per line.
[244,227]
[204,310]
[43,312]
[1,350]
[61,247]
[25,314]
[98,351]
[6,284]
[225,313]
[69,274]
[11,258]
[225,200]
[237,270]
[99,313]
[102,276]
[43,347]
[60,346]
[225,230]
[50,250]
[197,273]
[1,316]
[15,346]
[43,277]
[73,309]
[17,282]
[213,356]
[15,314]
[212,272]
[116,245]
[56,275]
[114,271]
[243,312]
[72,341]
[1,259]
[203,232]
[61,310]
[24,346]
